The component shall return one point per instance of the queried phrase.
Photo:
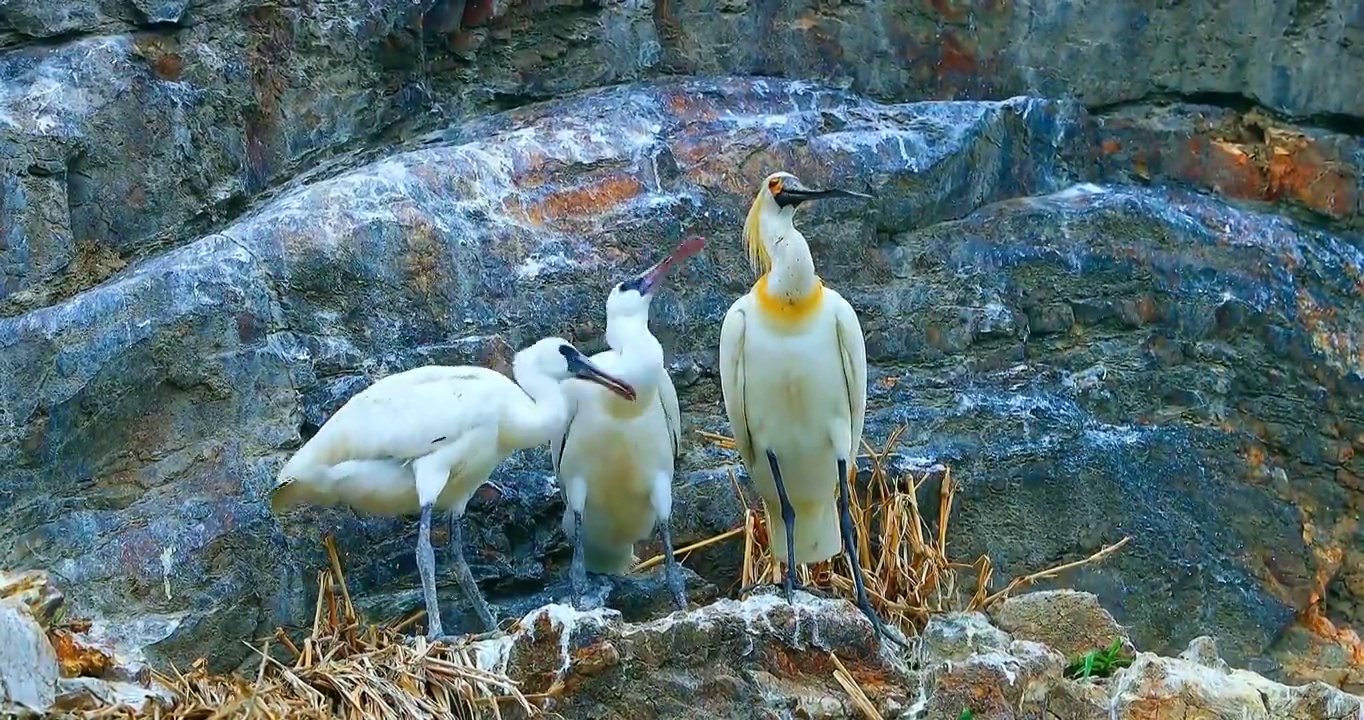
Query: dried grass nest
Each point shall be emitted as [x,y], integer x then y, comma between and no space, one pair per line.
[347,667]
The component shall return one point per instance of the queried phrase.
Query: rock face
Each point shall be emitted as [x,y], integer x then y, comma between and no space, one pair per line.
[209,239]
[763,658]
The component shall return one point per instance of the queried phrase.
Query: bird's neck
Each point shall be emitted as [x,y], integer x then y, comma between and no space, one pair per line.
[535,423]
[790,289]
[638,357]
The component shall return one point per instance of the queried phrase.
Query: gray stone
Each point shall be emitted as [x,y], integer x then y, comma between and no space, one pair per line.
[28,664]
[1071,623]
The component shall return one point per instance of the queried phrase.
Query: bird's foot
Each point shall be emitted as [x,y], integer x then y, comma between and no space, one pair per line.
[782,587]
[679,593]
[879,626]
[577,581]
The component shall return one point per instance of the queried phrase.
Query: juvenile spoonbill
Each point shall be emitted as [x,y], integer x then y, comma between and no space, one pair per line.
[615,458]
[793,373]
[429,437]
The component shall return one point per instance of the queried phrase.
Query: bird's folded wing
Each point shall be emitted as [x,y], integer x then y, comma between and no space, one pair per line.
[404,416]
[852,346]
[732,378]
[667,397]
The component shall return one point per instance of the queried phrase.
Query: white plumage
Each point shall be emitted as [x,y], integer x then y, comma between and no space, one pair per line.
[615,459]
[428,438]
[793,372]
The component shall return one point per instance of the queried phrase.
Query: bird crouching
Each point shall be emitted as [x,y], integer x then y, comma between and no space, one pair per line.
[428,438]
[615,460]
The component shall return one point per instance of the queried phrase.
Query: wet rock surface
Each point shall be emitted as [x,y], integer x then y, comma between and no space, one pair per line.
[218,221]
[1094,360]
[134,126]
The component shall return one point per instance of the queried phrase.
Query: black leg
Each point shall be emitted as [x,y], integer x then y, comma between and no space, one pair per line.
[845,524]
[788,518]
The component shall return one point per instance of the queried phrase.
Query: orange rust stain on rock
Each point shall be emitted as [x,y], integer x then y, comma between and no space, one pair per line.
[955,57]
[586,200]
[691,108]
[1226,167]
[76,658]
[1298,170]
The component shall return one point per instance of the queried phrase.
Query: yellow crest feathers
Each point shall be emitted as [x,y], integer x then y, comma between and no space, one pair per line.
[758,259]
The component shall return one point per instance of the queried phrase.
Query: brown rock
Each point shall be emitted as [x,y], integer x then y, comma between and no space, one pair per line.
[34,589]
[729,659]
[1069,622]
[993,684]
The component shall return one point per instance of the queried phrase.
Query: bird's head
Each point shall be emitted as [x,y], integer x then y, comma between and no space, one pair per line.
[630,297]
[557,358]
[781,193]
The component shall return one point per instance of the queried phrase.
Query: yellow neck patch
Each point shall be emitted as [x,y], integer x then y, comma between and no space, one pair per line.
[786,310]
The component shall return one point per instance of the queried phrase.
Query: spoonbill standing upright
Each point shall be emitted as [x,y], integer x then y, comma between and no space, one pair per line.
[429,437]
[793,372]
[615,458]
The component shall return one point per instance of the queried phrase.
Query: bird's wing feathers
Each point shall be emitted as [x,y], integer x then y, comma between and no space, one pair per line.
[667,396]
[853,348]
[732,376]
[403,415]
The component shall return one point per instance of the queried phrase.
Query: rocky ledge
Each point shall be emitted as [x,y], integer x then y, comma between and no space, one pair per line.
[764,658]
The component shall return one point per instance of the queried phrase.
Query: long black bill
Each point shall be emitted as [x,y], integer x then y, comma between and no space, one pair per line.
[585,369]
[649,280]
[793,193]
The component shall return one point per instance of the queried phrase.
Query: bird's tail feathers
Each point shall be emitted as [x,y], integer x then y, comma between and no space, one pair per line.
[286,493]
[817,532]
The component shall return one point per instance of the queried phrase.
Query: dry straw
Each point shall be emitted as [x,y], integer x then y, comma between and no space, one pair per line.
[344,668]
[905,559]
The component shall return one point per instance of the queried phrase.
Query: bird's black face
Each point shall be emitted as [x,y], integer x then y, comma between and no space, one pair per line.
[789,191]
[581,367]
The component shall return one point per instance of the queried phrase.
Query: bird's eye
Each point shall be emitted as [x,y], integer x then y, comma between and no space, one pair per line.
[566,350]
[774,185]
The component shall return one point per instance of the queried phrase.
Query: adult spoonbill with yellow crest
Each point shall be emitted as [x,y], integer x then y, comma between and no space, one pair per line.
[793,372]
[616,457]
[429,437]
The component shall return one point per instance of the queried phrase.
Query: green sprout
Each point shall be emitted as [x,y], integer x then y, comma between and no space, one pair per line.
[1099,663]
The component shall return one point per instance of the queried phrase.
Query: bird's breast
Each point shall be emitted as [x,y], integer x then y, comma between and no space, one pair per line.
[793,382]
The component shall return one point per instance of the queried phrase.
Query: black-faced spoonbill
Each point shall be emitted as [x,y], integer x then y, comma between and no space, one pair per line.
[793,372]
[616,457]
[429,437]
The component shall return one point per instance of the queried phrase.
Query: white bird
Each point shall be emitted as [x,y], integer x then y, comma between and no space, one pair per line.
[793,372]
[429,437]
[615,459]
